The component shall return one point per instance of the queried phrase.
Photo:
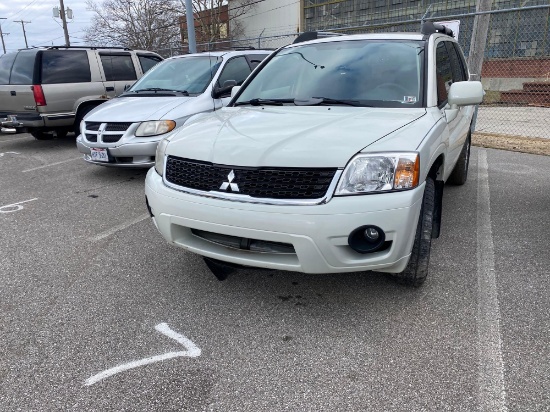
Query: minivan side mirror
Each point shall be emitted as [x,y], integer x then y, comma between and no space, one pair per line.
[225,90]
[465,94]
[235,90]
[127,86]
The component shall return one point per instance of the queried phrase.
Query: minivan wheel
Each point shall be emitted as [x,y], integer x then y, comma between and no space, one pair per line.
[40,135]
[417,269]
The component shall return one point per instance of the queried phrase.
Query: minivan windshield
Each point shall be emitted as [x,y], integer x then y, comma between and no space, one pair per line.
[369,73]
[189,75]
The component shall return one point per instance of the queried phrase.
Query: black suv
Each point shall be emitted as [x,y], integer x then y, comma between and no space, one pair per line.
[49,90]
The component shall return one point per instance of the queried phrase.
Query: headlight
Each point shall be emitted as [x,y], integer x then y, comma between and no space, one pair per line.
[159,157]
[155,128]
[379,172]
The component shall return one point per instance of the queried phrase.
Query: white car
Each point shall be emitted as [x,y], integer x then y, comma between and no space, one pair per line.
[125,131]
[332,157]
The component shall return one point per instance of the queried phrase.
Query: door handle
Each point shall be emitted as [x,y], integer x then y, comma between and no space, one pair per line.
[110,89]
[13,93]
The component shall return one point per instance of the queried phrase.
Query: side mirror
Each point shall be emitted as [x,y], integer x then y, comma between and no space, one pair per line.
[127,86]
[234,90]
[465,94]
[225,90]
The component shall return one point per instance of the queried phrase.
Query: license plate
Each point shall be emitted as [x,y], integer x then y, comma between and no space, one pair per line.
[99,155]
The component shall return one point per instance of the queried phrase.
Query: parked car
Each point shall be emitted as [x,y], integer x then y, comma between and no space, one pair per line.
[330,158]
[49,90]
[124,132]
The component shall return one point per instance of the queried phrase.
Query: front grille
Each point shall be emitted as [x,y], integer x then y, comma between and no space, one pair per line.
[265,182]
[254,245]
[111,138]
[91,137]
[117,127]
[93,126]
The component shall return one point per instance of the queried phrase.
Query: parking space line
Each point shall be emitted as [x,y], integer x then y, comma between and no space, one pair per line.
[17,139]
[52,164]
[118,228]
[192,351]
[492,391]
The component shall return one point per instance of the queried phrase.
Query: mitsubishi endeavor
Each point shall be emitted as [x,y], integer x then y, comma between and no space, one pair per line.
[330,158]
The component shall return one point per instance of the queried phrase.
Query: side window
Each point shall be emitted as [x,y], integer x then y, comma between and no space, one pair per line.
[456,63]
[6,61]
[65,66]
[118,67]
[148,62]
[444,74]
[23,68]
[255,59]
[236,69]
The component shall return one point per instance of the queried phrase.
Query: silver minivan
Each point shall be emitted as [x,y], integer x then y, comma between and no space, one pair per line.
[124,131]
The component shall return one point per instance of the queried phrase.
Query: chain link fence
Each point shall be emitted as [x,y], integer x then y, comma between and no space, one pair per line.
[516,67]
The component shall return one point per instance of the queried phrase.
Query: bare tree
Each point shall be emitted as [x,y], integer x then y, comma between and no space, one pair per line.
[140,24]
[156,24]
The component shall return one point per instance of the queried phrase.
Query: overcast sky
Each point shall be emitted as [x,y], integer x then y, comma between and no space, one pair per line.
[43,30]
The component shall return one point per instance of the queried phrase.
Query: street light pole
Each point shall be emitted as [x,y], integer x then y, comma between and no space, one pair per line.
[190,26]
[64,20]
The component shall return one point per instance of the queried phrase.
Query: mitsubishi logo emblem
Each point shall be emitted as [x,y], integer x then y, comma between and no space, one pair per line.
[233,186]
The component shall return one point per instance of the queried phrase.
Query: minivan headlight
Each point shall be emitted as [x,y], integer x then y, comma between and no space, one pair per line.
[155,128]
[379,172]
[159,156]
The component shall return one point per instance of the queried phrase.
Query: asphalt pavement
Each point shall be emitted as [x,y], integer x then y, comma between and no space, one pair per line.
[99,313]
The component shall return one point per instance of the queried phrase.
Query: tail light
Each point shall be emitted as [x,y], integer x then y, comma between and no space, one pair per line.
[38,95]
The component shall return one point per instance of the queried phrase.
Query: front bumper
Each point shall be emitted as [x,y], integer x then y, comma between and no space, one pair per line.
[130,155]
[319,234]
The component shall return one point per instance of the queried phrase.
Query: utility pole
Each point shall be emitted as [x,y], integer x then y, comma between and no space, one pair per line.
[2,35]
[24,34]
[190,26]
[64,20]
[479,38]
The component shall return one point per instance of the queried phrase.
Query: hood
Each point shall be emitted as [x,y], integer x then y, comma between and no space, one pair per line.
[137,109]
[287,136]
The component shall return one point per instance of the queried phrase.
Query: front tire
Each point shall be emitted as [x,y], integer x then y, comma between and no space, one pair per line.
[459,174]
[417,269]
[40,135]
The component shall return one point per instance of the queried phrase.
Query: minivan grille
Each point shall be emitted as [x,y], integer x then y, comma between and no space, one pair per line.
[117,127]
[93,126]
[264,182]
[111,138]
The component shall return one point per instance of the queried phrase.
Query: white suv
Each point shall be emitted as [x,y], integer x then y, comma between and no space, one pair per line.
[331,157]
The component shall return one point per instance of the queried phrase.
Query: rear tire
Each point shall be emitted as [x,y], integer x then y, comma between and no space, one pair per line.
[40,135]
[417,269]
[459,174]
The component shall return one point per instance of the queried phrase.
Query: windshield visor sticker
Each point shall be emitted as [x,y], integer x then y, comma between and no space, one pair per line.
[409,99]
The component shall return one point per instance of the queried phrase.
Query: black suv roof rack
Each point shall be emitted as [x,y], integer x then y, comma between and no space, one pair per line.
[87,47]
[313,35]
[429,27]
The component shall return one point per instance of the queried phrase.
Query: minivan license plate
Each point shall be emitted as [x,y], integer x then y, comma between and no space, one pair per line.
[99,155]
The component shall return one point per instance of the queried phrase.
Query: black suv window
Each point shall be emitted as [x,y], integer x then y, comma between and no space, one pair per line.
[65,66]
[6,61]
[444,73]
[23,67]
[236,69]
[118,67]
[147,62]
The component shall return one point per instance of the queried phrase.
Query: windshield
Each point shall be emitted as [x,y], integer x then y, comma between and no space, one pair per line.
[355,72]
[186,74]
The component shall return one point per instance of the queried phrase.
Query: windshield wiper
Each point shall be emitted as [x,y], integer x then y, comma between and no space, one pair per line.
[265,102]
[159,89]
[319,101]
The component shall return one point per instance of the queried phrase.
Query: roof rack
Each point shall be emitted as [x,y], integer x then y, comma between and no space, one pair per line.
[87,47]
[429,27]
[313,35]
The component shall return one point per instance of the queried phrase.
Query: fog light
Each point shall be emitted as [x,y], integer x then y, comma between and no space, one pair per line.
[367,239]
